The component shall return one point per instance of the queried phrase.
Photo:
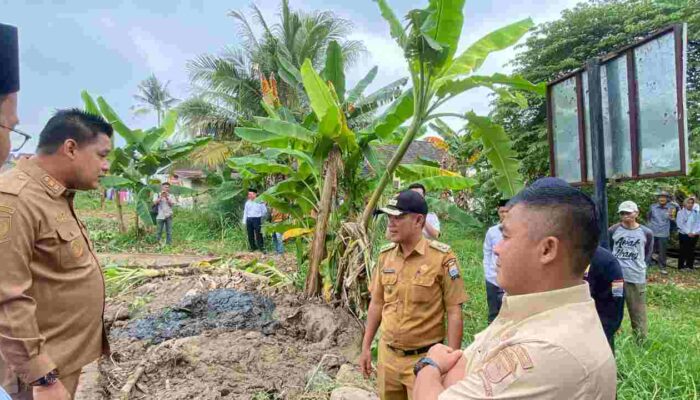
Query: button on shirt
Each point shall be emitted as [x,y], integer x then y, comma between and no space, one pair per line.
[254,209]
[493,237]
[51,285]
[416,289]
[688,221]
[545,346]
[659,221]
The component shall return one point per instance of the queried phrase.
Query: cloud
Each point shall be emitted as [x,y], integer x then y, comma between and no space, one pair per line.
[156,53]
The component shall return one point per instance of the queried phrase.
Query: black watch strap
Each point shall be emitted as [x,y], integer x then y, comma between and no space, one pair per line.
[46,380]
[424,362]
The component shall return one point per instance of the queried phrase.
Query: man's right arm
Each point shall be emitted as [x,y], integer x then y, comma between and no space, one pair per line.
[488,250]
[374,319]
[21,342]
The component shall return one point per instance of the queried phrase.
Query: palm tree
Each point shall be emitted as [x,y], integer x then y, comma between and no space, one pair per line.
[153,95]
[229,87]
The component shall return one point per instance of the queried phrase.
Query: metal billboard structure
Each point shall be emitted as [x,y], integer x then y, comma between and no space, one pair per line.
[622,116]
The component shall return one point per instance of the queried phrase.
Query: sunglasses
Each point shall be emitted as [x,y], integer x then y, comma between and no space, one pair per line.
[23,138]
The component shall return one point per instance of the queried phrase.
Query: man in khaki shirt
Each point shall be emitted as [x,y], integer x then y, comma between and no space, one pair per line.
[547,342]
[52,290]
[415,284]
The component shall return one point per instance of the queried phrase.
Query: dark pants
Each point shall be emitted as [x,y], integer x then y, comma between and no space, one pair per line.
[166,224]
[255,237]
[660,245]
[686,258]
[494,298]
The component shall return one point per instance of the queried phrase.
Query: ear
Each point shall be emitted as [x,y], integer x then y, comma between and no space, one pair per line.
[70,148]
[549,249]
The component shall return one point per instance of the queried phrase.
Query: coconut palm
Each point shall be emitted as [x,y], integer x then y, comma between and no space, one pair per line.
[153,95]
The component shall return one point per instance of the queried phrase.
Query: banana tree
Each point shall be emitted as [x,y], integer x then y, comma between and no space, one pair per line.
[317,149]
[145,154]
[438,75]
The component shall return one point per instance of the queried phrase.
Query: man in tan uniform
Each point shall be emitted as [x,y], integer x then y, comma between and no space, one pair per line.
[416,282]
[52,290]
[547,342]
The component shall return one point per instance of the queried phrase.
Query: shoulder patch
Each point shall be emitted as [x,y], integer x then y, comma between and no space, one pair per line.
[13,183]
[387,247]
[443,247]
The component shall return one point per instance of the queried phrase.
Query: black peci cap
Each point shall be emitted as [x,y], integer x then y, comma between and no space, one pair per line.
[9,60]
[406,202]
[254,190]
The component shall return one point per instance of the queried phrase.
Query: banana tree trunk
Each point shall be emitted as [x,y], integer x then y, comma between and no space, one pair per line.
[120,212]
[389,172]
[318,246]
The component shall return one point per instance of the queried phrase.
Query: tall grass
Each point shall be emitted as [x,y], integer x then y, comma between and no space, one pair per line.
[667,366]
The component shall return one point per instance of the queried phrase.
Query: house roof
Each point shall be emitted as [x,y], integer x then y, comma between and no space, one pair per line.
[417,150]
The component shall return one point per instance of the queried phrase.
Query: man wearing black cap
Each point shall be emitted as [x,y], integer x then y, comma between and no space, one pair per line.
[494,294]
[253,214]
[9,86]
[415,283]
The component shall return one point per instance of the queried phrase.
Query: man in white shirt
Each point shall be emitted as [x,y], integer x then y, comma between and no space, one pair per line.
[494,294]
[688,220]
[253,214]
[432,223]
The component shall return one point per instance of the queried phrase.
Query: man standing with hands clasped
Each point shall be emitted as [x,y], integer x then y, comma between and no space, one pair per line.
[415,284]
[547,342]
[253,214]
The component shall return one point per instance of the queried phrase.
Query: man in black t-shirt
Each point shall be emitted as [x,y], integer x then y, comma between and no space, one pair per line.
[604,278]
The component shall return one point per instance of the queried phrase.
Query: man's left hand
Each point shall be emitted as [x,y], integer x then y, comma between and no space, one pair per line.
[444,357]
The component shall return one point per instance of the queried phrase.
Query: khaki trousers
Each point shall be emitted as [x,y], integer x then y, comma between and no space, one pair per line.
[635,297]
[395,376]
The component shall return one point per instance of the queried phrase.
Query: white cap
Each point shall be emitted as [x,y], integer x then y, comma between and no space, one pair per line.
[628,206]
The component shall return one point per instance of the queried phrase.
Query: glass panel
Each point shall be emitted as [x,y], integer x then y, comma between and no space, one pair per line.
[565,127]
[658,115]
[616,117]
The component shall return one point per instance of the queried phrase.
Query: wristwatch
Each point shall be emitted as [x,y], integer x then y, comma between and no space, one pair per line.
[423,362]
[46,380]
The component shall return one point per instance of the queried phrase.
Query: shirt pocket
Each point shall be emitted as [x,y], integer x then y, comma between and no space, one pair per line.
[423,287]
[73,250]
[389,280]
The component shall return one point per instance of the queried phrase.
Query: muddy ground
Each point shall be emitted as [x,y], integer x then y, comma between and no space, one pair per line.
[213,336]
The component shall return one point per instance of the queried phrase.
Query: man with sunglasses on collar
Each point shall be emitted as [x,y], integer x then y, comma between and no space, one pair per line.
[415,284]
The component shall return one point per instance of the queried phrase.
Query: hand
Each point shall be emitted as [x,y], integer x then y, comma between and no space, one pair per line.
[366,363]
[444,357]
[53,392]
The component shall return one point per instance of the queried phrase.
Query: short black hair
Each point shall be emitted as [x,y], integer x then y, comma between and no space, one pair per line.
[417,186]
[76,124]
[572,217]
[165,183]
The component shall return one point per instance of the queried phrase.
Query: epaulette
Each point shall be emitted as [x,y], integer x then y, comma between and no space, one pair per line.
[13,183]
[387,247]
[443,247]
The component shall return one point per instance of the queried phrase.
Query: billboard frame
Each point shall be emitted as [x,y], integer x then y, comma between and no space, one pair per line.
[633,93]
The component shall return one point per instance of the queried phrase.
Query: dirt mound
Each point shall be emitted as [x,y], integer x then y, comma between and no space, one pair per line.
[219,340]
[221,308]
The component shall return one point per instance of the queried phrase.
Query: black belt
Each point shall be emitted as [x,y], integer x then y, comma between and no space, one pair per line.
[413,352]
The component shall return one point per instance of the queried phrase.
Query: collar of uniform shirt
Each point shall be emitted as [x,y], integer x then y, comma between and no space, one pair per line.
[53,187]
[523,306]
[420,248]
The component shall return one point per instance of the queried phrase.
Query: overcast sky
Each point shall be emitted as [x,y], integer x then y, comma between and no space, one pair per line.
[108,47]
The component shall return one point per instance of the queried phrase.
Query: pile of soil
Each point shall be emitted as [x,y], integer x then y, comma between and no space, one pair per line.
[213,337]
